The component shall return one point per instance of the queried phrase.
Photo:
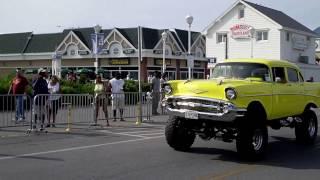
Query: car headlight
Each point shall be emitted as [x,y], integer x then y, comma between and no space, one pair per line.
[167,89]
[231,94]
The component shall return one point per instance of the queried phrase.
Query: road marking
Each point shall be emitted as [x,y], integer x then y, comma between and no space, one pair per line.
[135,132]
[230,173]
[151,134]
[76,148]
[132,135]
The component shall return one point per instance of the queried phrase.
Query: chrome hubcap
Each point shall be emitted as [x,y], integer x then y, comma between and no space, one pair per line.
[257,140]
[312,127]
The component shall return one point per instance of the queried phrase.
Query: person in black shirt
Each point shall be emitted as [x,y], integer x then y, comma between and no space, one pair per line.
[40,88]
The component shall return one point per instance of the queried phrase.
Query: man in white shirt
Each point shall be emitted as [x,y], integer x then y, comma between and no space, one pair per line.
[116,85]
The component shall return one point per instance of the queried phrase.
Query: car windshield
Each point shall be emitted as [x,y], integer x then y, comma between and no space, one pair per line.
[241,71]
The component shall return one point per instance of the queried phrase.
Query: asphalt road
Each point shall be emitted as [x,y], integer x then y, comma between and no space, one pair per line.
[140,152]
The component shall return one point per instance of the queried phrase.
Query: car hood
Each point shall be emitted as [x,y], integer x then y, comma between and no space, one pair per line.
[215,88]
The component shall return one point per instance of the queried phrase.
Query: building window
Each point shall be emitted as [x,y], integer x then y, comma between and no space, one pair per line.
[221,37]
[262,35]
[288,36]
[72,52]
[308,38]
[241,13]
[115,51]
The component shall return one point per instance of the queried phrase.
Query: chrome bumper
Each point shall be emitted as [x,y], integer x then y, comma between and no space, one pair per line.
[215,110]
[224,117]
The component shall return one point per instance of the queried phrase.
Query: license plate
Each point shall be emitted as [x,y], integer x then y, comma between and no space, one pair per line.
[191,115]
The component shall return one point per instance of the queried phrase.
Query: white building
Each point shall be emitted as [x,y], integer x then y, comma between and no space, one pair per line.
[317,45]
[250,30]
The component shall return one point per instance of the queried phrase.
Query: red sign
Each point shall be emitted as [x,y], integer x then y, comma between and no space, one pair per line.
[241,31]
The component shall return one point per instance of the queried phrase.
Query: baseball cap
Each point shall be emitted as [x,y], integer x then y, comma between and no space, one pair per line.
[41,70]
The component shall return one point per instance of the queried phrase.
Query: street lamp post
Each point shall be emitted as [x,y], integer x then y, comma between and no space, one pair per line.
[164,37]
[189,20]
[251,36]
[97,29]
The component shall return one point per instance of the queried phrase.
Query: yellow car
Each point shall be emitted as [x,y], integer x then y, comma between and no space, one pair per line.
[241,99]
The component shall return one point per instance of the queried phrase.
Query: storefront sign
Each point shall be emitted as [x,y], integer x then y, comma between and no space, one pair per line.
[104,52]
[119,62]
[128,51]
[158,62]
[241,31]
[83,52]
[159,51]
[299,42]
[177,53]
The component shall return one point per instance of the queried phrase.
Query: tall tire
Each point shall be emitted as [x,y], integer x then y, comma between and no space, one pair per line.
[178,137]
[252,142]
[252,138]
[306,131]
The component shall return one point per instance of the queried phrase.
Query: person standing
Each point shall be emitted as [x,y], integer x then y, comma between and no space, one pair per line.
[54,89]
[116,85]
[19,86]
[100,91]
[155,90]
[40,87]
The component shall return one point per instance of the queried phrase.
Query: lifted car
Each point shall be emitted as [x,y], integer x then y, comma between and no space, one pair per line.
[239,102]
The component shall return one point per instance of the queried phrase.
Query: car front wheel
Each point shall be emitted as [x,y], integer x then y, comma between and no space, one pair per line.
[178,136]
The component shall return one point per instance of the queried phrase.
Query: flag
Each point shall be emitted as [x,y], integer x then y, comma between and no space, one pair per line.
[97,42]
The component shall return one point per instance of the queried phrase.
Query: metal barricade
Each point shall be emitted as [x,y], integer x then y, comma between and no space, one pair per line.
[15,110]
[62,109]
[128,103]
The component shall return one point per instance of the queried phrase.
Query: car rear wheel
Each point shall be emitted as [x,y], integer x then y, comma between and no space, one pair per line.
[306,131]
[178,136]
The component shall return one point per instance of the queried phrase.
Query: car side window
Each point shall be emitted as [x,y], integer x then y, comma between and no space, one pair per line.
[279,74]
[292,75]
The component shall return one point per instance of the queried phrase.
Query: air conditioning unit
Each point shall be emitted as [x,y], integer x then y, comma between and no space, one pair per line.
[304,59]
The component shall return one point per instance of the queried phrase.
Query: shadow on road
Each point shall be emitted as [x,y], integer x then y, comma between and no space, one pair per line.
[283,152]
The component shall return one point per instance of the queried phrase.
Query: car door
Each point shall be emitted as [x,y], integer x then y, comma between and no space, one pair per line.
[282,97]
[296,91]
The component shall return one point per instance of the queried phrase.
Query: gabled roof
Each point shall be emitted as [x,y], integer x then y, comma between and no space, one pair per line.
[150,37]
[183,36]
[83,33]
[41,43]
[14,43]
[273,15]
[44,43]
[317,31]
[131,34]
[280,17]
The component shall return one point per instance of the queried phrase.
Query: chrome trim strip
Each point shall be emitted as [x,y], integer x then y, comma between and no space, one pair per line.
[198,98]
[191,104]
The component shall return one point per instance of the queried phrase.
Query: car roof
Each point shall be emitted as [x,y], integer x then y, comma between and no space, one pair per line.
[268,62]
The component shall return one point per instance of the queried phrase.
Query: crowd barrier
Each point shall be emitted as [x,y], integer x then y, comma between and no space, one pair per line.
[15,110]
[68,109]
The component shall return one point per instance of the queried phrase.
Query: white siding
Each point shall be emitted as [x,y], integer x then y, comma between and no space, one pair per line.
[241,48]
[291,54]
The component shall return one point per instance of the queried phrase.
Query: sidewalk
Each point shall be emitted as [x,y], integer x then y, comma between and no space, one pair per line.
[21,131]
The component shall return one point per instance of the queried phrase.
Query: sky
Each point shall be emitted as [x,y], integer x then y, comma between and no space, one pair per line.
[48,16]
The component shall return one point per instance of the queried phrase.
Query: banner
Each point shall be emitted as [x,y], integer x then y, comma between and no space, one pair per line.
[97,42]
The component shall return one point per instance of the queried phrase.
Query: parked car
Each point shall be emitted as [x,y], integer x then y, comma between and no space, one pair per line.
[239,102]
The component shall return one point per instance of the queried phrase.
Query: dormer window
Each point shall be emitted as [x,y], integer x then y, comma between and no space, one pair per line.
[241,12]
